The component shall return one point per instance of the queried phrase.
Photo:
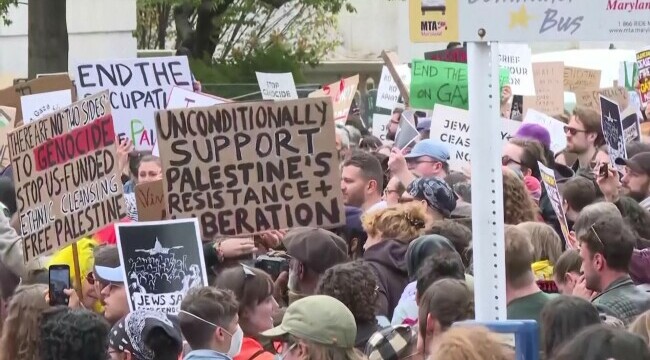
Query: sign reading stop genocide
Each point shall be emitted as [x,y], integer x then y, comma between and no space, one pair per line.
[554,20]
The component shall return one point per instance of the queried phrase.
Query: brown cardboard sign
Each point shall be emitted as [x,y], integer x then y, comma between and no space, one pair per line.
[11,95]
[549,89]
[65,170]
[579,79]
[7,116]
[391,61]
[243,168]
[591,98]
[150,200]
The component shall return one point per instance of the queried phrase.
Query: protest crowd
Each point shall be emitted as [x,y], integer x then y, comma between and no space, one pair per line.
[284,229]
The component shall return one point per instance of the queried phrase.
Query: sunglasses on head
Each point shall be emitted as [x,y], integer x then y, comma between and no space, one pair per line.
[572,130]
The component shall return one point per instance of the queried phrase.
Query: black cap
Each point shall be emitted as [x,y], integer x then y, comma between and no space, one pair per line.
[318,249]
[639,163]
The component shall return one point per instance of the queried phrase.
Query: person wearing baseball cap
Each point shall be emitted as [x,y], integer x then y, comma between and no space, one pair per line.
[636,181]
[436,195]
[429,158]
[312,251]
[317,327]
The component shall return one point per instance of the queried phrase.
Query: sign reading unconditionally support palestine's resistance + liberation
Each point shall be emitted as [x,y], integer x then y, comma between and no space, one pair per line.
[65,170]
[243,168]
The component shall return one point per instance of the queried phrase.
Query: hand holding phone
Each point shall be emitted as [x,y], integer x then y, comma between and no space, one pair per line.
[59,280]
[603,171]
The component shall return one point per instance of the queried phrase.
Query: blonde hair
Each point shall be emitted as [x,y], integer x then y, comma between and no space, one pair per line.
[402,222]
[21,332]
[518,206]
[546,242]
[65,256]
[641,326]
[470,343]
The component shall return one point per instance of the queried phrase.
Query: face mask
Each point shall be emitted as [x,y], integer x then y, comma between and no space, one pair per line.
[235,342]
[284,354]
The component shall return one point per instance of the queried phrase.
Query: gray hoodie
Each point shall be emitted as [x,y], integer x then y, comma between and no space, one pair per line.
[11,250]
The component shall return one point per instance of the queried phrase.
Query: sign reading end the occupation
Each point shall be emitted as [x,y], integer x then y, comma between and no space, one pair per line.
[243,168]
[65,170]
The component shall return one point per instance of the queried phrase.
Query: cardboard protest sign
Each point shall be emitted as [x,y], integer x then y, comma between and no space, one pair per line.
[11,96]
[548,179]
[66,176]
[181,98]
[643,63]
[628,74]
[243,168]
[451,126]
[457,55]
[406,133]
[591,99]
[38,105]
[138,87]
[579,79]
[162,261]
[388,93]
[517,58]
[445,83]
[342,93]
[554,127]
[150,201]
[380,124]
[549,89]
[7,115]
[612,129]
[278,86]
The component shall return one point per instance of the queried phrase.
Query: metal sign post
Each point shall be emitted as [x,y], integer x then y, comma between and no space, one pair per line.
[487,189]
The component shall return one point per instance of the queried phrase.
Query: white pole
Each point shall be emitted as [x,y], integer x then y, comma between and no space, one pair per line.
[487,190]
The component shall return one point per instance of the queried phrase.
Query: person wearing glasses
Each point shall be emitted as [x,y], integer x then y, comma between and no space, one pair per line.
[109,282]
[606,246]
[584,135]
[89,292]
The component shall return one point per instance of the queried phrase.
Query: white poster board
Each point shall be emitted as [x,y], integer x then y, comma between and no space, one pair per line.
[554,127]
[138,87]
[517,59]
[387,92]
[577,20]
[38,105]
[451,126]
[279,86]
[181,98]
[380,124]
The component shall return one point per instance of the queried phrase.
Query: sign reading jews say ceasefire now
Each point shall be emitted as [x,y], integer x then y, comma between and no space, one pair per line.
[66,176]
[243,168]
[438,82]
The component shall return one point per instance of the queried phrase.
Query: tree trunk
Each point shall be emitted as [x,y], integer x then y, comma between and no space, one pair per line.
[47,37]
[163,23]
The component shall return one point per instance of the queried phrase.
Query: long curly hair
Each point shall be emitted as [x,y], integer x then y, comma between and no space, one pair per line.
[354,285]
[470,343]
[21,333]
[402,222]
[518,206]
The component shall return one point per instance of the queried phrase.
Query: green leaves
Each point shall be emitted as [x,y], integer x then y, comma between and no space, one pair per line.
[4,9]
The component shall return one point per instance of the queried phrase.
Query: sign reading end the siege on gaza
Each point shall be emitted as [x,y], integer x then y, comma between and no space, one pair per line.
[65,170]
[243,168]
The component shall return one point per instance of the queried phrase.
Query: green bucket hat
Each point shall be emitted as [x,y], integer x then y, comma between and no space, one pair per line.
[318,318]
